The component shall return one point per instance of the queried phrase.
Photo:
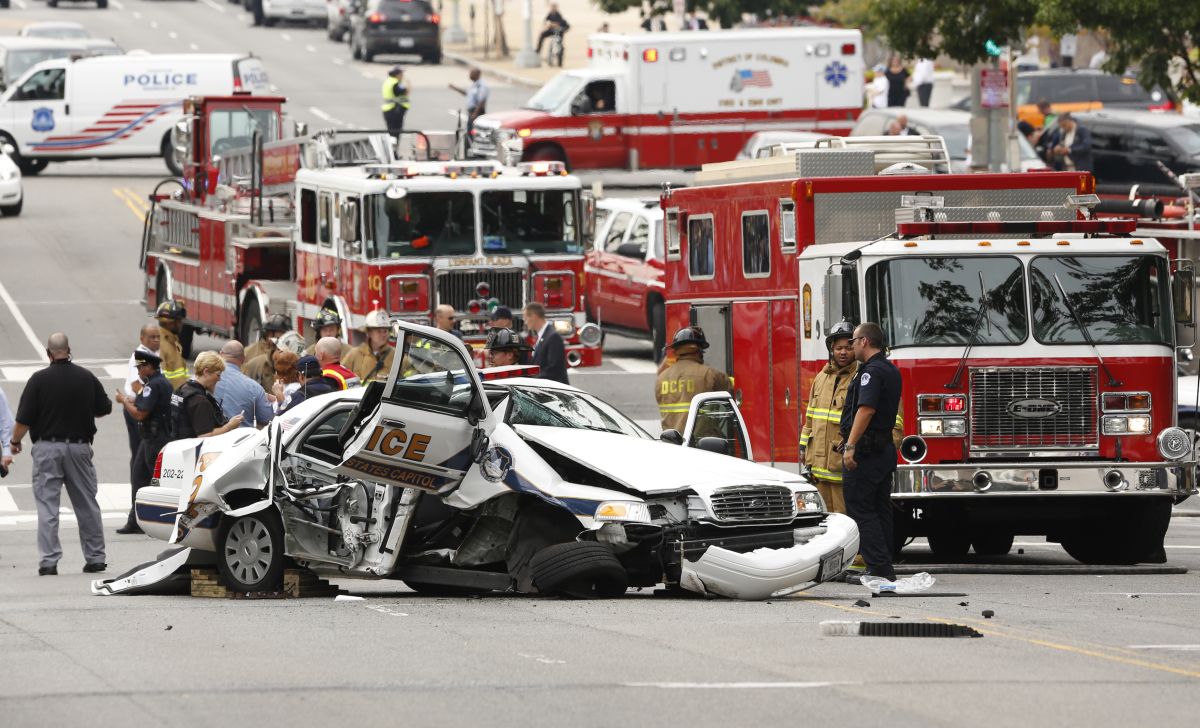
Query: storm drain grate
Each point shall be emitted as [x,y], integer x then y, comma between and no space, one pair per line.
[896,629]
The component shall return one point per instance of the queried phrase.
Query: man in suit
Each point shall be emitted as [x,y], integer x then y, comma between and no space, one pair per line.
[1069,146]
[549,352]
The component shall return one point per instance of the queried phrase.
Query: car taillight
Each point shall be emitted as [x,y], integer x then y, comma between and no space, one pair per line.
[376,18]
[408,295]
[158,466]
[435,19]
[554,290]
[1167,105]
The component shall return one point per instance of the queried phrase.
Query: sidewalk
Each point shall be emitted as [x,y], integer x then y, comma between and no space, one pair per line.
[582,15]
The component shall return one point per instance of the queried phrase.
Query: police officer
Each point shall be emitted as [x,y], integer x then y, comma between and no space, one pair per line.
[151,408]
[170,317]
[868,455]
[395,100]
[687,377]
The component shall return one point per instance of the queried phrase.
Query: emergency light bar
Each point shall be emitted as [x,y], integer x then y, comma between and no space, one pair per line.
[509,372]
[1110,227]
[542,169]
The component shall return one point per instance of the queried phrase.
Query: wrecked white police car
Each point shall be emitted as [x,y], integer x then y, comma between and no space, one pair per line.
[458,482]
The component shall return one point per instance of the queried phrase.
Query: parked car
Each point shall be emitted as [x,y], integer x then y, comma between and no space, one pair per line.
[18,55]
[12,196]
[952,125]
[270,12]
[56,29]
[759,144]
[1079,89]
[624,270]
[338,13]
[457,484]
[1128,145]
[409,27]
[100,46]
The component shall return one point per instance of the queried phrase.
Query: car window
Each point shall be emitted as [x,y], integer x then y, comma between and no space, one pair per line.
[756,243]
[601,97]
[49,84]
[701,255]
[1121,90]
[432,376]
[601,216]
[1186,138]
[639,240]
[658,239]
[1149,142]
[1107,138]
[870,125]
[1072,89]
[564,408]
[717,418]
[616,233]
[322,443]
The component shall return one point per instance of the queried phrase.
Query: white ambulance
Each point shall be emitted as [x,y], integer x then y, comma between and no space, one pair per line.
[114,106]
[681,100]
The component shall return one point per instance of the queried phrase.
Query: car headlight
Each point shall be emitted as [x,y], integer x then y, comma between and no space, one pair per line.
[809,502]
[623,511]
[1174,443]
[8,175]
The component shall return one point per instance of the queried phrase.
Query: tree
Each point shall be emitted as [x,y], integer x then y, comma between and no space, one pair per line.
[726,13]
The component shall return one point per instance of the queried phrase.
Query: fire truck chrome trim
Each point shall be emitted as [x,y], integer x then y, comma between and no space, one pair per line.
[1070,478]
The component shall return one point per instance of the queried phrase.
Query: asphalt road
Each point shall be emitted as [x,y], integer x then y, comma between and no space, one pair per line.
[1060,650]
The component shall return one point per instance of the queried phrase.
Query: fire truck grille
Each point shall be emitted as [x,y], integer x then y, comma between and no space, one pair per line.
[458,288]
[749,503]
[1037,408]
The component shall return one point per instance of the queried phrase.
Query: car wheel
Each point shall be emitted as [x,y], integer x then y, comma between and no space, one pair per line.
[52,3]
[367,54]
[658,330]
[251,321]
[250,554]
[1132,535]
[12,210]
[947,545]
[435,59]
[992,543]
[580,570]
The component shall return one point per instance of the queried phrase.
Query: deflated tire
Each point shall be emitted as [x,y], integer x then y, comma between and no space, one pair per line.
[580,570]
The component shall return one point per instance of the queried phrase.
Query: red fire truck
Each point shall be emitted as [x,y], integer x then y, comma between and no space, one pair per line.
[682,99]
[296,225]
[1037,348]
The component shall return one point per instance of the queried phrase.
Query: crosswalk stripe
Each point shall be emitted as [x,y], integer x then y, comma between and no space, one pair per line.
[19,498]
[21,374]
[635,366]
[6,501]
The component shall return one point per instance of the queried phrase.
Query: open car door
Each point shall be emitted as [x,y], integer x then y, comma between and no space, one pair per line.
[429,422]
[716,414]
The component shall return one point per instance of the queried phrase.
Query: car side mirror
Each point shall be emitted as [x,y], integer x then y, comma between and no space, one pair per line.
[579,106]
[479,445]
[713,444]
[1183,286]
[671,436]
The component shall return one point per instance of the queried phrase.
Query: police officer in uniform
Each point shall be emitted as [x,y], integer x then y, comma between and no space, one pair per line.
[170,316]
[151,408]
[395,100]
[687,377]
[868,455]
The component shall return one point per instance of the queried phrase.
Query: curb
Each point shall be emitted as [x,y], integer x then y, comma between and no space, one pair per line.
[490,70]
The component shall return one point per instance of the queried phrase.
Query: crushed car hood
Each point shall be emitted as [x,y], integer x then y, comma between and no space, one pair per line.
[651,466]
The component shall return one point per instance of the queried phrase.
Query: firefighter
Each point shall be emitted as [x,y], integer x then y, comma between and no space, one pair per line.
[328,323]
[170,315]
[686,378]
[395,100]
[504,347]
[820,438]
[869,455]
[372,359]
[260,356]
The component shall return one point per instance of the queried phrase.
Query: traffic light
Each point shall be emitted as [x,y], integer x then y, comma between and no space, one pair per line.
[991,47]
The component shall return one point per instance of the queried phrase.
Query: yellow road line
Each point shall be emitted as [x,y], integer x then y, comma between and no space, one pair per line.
[977,625]
[131,201]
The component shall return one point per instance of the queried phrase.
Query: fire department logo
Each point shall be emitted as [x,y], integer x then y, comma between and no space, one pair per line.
[836,73]
[496,464]
[596,129]
[43,119]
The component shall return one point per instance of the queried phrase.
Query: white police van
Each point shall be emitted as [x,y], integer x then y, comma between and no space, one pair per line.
[115,106]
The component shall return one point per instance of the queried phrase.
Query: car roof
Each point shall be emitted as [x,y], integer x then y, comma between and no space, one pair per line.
[1047,72]
[929,117]
[626,204]
[20,43]
[788,136]
[54,24]
[1155,119]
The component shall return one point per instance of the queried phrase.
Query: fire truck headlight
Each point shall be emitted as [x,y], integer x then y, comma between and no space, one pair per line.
[809,502]
[565,328]
[1126,425]
[1174,443]
[591,336]
[954,426]
[930,426]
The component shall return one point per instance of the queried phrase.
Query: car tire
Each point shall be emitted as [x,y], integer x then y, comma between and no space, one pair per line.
[12,210]
[434,59]
[658,330]
[579,570]
[368,55]
[992,543]
[250,323]
[52,3]
[949,545]
[250,556]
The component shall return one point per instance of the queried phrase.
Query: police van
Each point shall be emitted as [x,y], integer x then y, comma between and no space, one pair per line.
[114,107]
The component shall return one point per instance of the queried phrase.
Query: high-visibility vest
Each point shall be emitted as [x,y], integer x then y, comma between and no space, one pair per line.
[394,93]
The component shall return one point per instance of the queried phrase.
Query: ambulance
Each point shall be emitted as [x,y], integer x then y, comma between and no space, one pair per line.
[681,100]
[114,106]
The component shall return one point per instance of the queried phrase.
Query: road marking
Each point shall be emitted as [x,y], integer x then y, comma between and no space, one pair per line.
[172,35]
[339,61]
[385,610]
[110,496]
[285,36]
[215,6]
[117,4]
[310,49]
[735,685]
[193,46]
[7,504]
[133,202]
[325,117]
[635,366]
[21,322]
[542,659]
[1173,648]
[153,23]
[20,4]
[137,15]
[62,518]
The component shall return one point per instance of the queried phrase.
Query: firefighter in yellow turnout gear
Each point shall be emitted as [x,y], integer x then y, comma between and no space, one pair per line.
[687,377]
[823,417]
[170,315]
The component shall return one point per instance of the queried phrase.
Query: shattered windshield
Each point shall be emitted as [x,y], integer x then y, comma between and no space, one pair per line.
[529,222]
[937,301]
[561,408]
[420,224]
[1122,299]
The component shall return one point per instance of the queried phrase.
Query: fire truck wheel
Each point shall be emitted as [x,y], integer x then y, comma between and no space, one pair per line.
[168,155]
[949,544]
[1130,536]
[992,543]
[251,321]
[658,330]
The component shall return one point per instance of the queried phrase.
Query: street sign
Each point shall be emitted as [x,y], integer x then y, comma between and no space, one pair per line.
[993,88]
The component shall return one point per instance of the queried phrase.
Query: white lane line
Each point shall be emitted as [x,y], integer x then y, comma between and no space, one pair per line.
[310,49]
[117,4]
[542,659]
[285,36]
[1174,648]
[25,327]
[637,366]
[215,6]
[734,685]
[193,46]
[62,518]
[385,610]
[173,35]
[6,501]
[320,114]
[339,61]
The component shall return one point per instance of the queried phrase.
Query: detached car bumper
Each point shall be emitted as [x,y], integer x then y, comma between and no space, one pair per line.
[773,572]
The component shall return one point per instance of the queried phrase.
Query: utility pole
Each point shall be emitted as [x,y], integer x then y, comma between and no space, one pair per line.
[455,33]
[528,58]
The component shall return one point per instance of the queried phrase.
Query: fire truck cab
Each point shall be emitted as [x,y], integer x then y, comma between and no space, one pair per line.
[1037,347]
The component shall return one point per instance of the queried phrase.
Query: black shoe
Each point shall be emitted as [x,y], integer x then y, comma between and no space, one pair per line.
[129,528]
[94,568]
[47,571]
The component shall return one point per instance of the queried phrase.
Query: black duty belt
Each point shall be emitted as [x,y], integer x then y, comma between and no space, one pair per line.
[67,440]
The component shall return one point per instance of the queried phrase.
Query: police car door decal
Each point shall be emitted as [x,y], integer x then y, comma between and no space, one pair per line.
[421,434]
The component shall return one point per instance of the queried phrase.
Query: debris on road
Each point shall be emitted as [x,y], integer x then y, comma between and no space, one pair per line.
[988,614]
[895,629]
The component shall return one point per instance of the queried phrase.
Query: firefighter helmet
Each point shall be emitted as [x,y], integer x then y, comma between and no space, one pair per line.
[174,310]
[505,340]
[377,319]
[840,330]
[291,341]
[277,322]
[327,317]
[690,335]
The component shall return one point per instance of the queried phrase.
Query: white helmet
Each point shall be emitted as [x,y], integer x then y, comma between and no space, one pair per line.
[291,341]
[377,319]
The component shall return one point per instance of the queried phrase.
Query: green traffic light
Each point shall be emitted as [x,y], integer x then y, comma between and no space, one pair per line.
[991,47]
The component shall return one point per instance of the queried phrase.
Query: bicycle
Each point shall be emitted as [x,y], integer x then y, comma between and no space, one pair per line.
[554,49]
